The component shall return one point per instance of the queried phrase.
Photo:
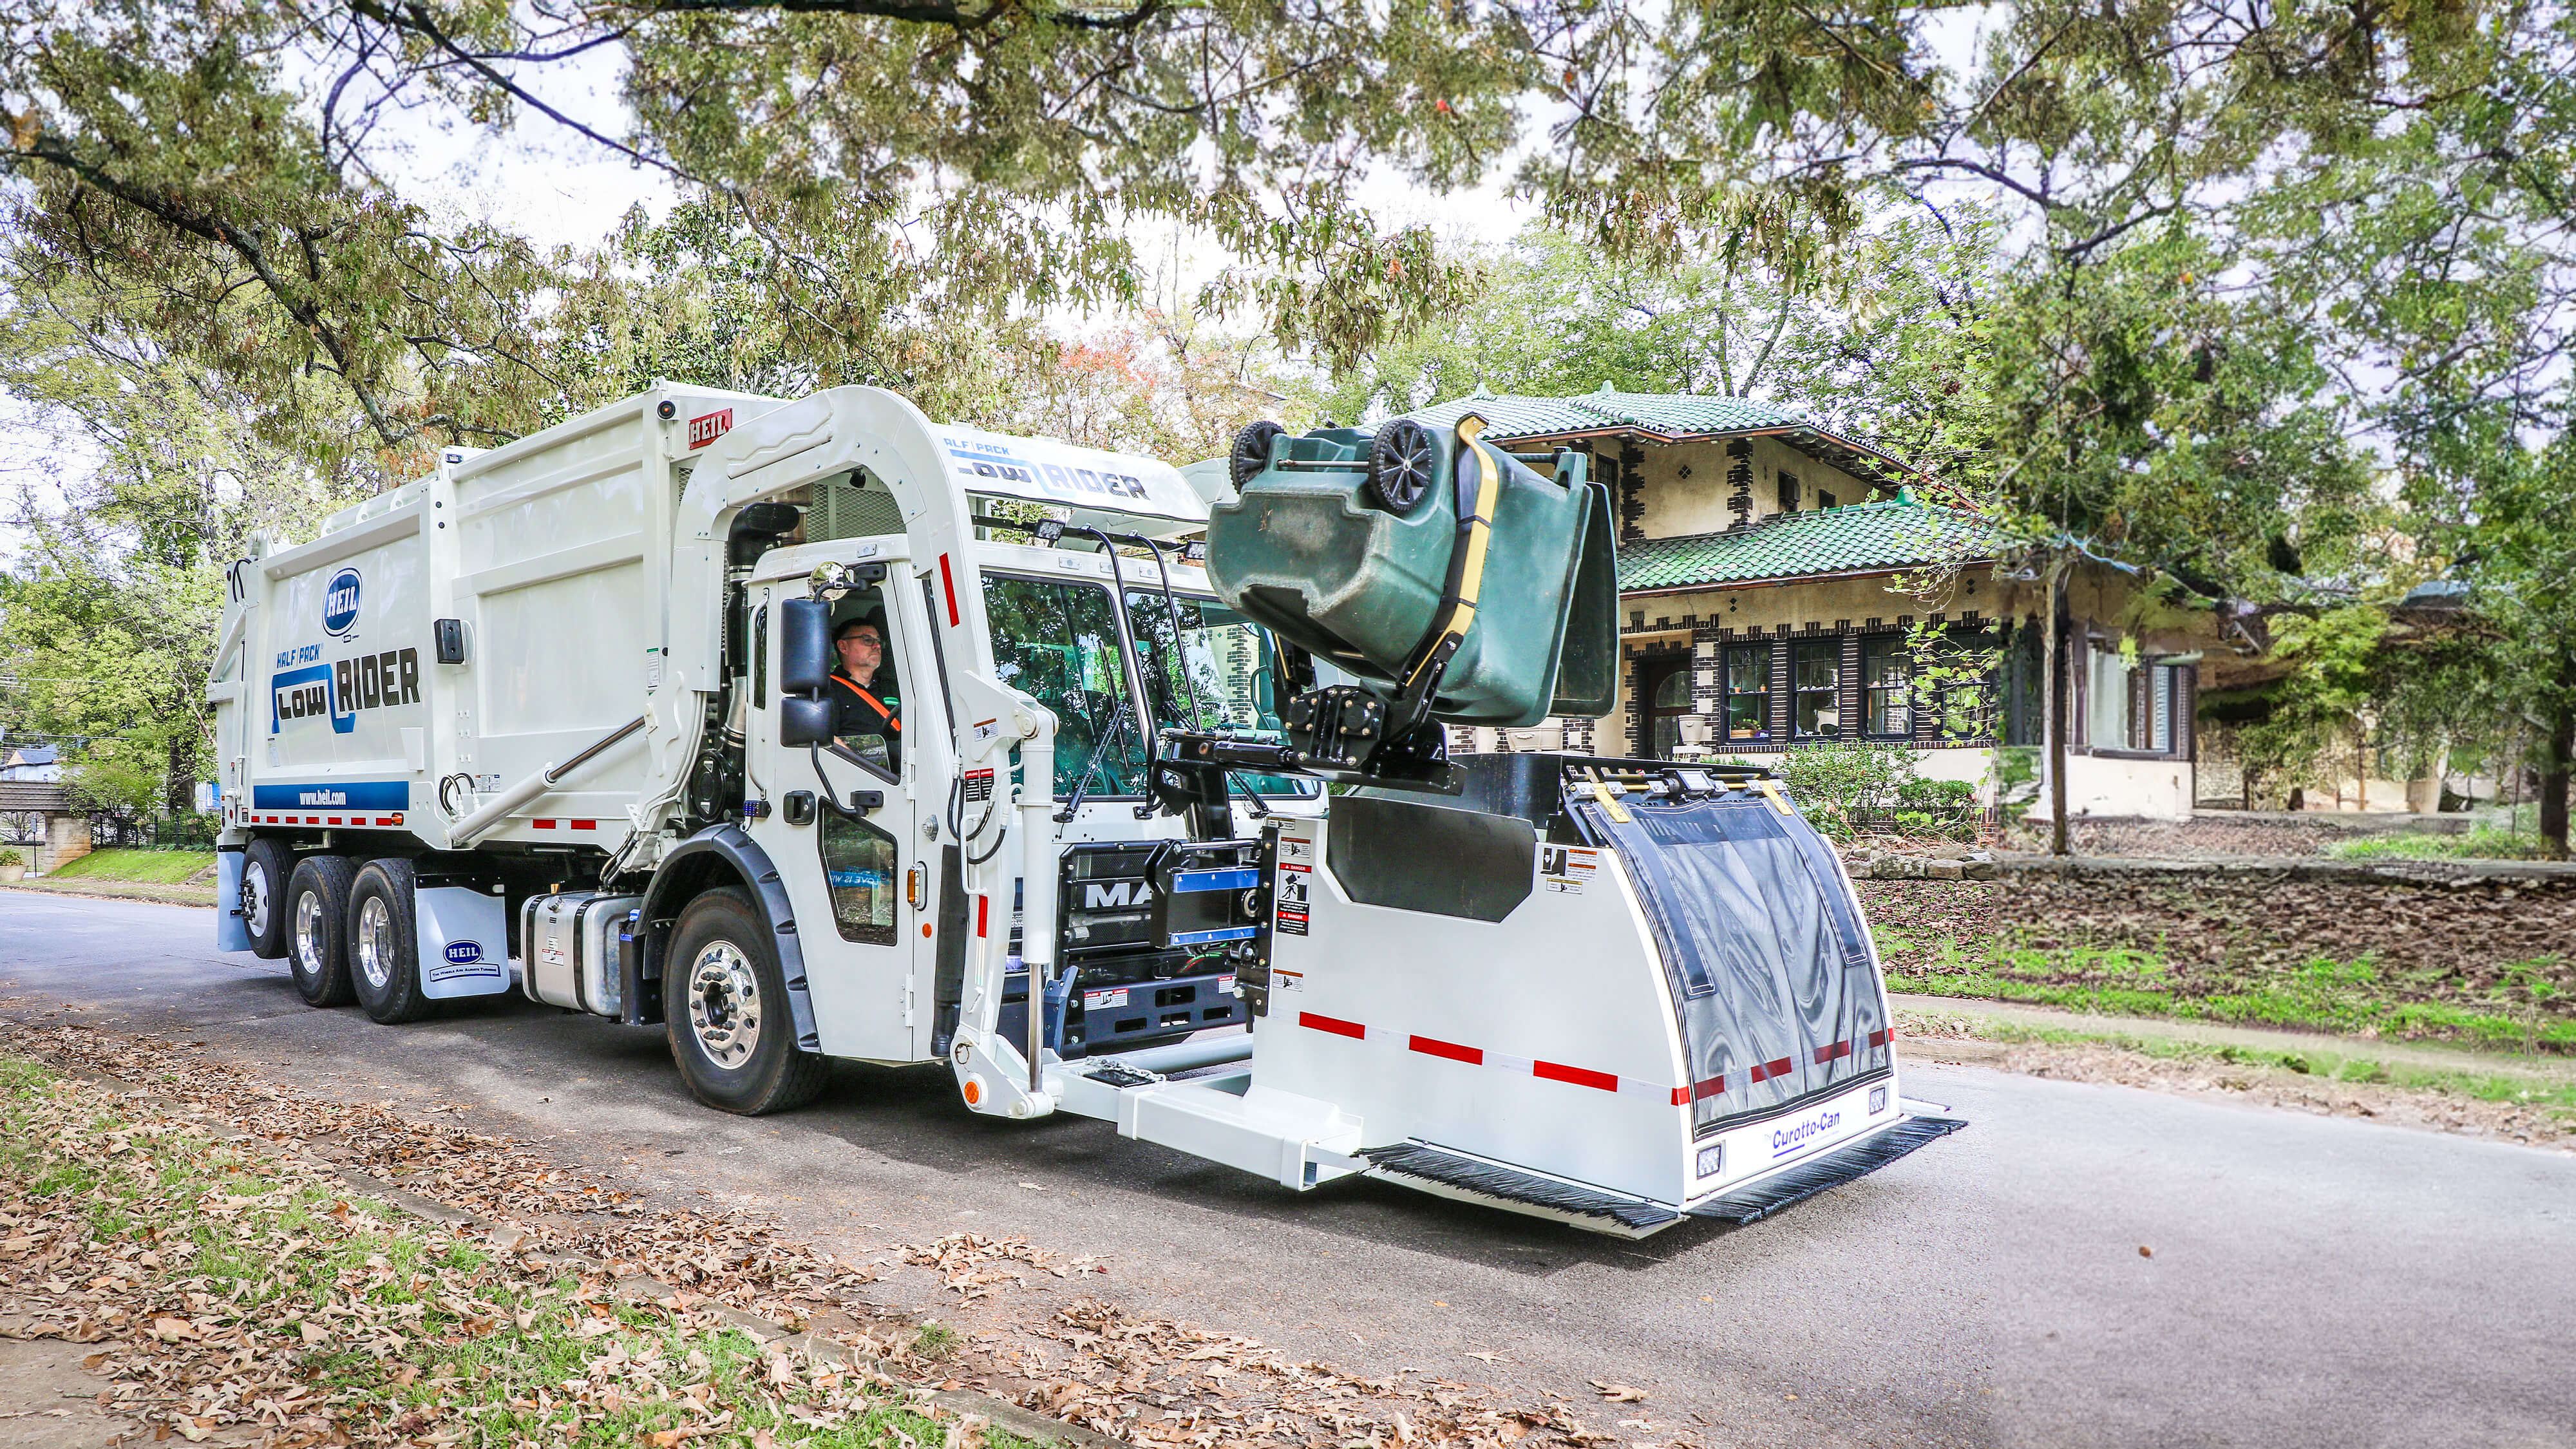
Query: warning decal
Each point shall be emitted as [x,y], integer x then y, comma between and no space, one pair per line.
[979,786]
[1566,869]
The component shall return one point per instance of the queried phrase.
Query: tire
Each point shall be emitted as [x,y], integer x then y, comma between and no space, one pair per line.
[724,1003]
[1403,461]
[384,944]
[1251,452]
[266,867]
[317,929]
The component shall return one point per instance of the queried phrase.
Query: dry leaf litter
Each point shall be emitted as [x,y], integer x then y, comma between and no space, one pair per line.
[1141,1379]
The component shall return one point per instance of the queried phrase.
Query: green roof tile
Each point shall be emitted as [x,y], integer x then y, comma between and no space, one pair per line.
[1863,538]
[1671,415]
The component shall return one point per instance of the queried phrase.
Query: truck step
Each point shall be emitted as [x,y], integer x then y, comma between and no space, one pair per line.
[1759,1200]
[1472,1178]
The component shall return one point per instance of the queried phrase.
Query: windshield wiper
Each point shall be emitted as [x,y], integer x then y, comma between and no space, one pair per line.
[1091,762]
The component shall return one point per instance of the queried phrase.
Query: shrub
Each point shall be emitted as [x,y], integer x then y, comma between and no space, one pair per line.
[11,857]
[1837,780]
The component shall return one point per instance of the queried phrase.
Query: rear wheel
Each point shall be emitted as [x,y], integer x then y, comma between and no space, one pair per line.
[725,1005]
[384,944]
[317,929]
[266,865]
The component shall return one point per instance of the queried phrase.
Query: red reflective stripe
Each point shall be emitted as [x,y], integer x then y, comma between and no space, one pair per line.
[948,586]
[1826,1054]
[1681,1096]
[1333,1024]
[1431,1046]
[1579,1076]
[1882,1036]
[387,820]
[1767,1070]
[585,825]
[539,824]
[335,819]
[1709,1088]
[980,903]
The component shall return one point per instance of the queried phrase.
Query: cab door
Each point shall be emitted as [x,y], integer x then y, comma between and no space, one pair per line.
[844,868]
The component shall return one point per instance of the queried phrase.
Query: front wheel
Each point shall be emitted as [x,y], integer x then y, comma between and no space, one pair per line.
[725,1005]
[384,944]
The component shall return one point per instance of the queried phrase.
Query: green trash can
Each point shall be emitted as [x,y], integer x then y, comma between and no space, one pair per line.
[1368,551]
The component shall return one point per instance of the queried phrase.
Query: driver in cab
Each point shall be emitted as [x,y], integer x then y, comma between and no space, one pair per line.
[867,718]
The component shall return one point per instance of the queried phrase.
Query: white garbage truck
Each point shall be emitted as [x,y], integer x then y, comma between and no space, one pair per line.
[812,729]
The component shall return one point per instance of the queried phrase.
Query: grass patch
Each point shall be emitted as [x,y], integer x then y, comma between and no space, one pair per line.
[2479,842]
[2344,997]
[159,867]
[230,1289]
[2558,1101]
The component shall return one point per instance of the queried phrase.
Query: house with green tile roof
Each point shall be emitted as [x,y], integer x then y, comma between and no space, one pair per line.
[1772,568]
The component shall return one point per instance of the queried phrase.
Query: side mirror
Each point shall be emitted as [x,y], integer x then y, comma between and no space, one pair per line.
[804,721]
[805,646]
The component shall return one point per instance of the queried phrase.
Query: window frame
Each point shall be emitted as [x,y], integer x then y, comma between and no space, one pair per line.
[1832,649]
[1875,647]
[1728,694]
[1652,673]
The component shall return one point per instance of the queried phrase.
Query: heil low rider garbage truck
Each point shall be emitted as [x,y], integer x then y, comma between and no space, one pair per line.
[560,719]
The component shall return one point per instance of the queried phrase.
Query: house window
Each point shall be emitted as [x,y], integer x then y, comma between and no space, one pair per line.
[1788,491]
[1887,686]
[1815,673]
[1748,691]
[1665,687]
[2128,706]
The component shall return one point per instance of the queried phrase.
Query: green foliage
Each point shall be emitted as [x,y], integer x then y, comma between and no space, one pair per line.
[1836,780]
[11,855]
[2311,726]
[159,867]
[1885,344]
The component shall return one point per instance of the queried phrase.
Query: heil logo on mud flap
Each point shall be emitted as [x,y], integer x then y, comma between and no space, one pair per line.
[464,953]
[340,604]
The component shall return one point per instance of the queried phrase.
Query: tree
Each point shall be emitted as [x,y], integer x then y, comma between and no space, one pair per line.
[108,616]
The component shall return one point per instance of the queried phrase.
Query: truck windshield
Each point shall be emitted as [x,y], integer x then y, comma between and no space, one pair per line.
[1056,640]
[1227,659]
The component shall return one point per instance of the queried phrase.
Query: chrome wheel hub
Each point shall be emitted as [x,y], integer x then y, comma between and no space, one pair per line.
[255,904]
[724,1005]
[376,943]
[309,944]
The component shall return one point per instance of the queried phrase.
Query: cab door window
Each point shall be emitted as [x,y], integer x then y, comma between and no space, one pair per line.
[862,874]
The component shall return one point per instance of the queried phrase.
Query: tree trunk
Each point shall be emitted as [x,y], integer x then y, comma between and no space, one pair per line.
[2553,781]
[2055,716]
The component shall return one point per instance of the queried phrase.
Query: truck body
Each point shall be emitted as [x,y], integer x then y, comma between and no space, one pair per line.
[560,719]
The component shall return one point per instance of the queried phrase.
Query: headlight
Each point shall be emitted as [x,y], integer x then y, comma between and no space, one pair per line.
[1877,1100]
[1712,1159]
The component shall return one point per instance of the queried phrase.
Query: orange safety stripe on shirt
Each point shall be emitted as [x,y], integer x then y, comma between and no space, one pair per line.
[873,702]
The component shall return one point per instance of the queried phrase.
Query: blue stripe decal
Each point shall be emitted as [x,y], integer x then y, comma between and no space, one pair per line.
[1185,881]
[339,795]
[1201,938]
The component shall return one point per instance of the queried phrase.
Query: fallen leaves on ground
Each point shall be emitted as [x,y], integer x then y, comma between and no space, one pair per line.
[1147,1381]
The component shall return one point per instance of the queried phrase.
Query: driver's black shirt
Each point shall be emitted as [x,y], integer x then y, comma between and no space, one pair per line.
[867,721]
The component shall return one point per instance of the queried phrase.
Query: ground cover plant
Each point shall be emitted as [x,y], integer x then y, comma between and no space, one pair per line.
[2517,1106]
[2192,953]
[1142,1379]
[227,1286]
[160,867]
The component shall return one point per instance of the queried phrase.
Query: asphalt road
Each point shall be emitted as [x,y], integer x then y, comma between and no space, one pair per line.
[2315,1281]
